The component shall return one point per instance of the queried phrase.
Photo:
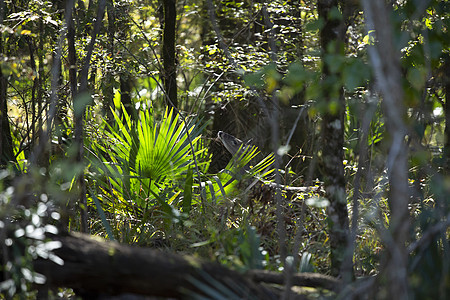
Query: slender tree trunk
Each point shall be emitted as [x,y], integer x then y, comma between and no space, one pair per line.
[125,94]
[36,120]
[108,77]
[332,37]
[6,146]
[385,59]
[72,57]
[61,114]
[73,82]
[80,102]
[169,54]
[446,80]
[32,48]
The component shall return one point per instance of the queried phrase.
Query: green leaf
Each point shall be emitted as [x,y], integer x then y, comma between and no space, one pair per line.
[417,77]
[150,155]
[102,215]
[219,183]
[316,24]
[80,103]
[305,263]
[254,79]
[355,74]
[297,76]
[335,14]
[369,38]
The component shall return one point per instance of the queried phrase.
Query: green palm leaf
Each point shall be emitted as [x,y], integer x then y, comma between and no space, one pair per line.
[240,168]
[148,156]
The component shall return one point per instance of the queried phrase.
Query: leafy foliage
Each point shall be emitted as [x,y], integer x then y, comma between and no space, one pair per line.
[249,67]
[143,162]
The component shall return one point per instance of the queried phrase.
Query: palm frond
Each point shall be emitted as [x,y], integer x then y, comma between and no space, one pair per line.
[240,168]
[147,156]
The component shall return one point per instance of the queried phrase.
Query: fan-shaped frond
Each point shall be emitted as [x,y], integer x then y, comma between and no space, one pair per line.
[148,156]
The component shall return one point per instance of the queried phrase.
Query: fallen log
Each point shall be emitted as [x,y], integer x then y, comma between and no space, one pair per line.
[94,266]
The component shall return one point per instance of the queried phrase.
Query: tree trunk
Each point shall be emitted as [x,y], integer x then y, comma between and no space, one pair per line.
[446,81]
[80,101]
[385,59]
[169,54]
[72,56]
[108,77]
[125,94]
[332,36]
[6,145]
[36,121]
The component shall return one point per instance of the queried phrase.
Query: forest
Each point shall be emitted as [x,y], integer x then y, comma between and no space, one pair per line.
[225,149]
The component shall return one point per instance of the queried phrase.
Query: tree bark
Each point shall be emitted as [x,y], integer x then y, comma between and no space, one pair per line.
[169,54]
[332,37]
[385,60]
